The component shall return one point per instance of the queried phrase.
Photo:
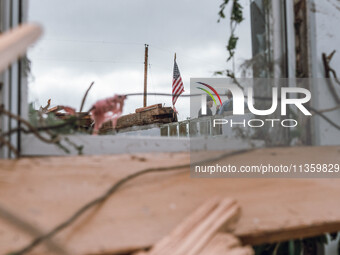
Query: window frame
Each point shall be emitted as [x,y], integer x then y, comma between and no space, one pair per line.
[15,96]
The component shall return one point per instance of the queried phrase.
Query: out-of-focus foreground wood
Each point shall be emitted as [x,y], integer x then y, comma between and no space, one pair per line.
[46,191]
[15,42]
[197,234]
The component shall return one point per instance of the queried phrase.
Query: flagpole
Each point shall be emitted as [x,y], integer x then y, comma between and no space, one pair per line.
[174,61]
[175,111]
[145,74]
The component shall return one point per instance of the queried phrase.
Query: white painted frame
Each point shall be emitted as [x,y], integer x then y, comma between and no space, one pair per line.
[11,15]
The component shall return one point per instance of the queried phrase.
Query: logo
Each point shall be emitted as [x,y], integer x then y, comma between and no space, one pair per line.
[204,98]
[212,89]
[294,96]
[239,99]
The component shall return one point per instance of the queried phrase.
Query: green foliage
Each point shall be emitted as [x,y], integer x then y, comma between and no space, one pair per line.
[237,13]
[38,119]
[33,115]
[232,46]
[236,18]
[221,12]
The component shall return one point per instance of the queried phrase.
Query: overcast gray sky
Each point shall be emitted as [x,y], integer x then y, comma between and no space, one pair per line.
[103,41]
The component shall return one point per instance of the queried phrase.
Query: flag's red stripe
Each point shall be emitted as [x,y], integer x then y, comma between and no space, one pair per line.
[175,83]
[177,92]
[177,88]
[177,96]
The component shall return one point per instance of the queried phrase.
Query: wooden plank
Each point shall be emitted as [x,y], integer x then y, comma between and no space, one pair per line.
[197,234]
[145,116]
[225,244]
[143,109]
[189,237]
[14,43]
[54,109]
[45,191]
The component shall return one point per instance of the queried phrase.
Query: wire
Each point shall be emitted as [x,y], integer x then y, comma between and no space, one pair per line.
[90,41]
[30,229]
[111,191]
[161,94]
[88,61]
[119,43]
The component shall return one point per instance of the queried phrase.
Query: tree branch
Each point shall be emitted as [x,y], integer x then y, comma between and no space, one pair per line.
[84,98]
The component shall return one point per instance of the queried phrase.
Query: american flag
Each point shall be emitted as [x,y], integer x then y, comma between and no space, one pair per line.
[177,85]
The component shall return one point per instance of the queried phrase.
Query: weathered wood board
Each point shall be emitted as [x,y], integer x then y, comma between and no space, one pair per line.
[143,109]
[14,43]
[145,116]
[200,233]
[45,191]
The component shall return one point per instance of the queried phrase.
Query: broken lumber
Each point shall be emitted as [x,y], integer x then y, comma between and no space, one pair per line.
[14,43]
[226,244]
[197,234]
[153,114]
[150,107]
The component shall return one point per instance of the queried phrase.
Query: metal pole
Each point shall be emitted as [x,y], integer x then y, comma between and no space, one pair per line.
[145,74]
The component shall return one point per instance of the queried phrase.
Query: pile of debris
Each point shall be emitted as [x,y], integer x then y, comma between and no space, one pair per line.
[153,114]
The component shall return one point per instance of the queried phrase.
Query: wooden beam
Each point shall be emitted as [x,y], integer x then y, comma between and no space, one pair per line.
[144,116]
[198,229]
[45,191]
[15,42]
[226,244]
[197,234]
[143,109]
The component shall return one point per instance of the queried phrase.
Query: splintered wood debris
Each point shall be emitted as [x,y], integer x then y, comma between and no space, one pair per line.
[199,233]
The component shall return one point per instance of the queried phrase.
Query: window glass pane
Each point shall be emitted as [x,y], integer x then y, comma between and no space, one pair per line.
[103,41]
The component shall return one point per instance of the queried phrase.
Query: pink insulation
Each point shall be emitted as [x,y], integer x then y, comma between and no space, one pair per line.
[107,109]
